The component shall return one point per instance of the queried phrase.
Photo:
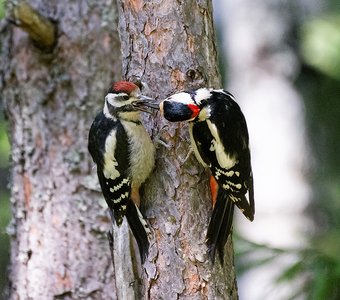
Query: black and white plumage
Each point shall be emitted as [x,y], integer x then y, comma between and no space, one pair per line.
[124,154]
[219,138]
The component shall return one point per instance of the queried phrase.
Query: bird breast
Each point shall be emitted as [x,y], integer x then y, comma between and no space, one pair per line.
[142,152]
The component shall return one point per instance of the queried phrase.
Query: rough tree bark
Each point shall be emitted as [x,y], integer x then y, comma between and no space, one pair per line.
[58,231]
[170,45]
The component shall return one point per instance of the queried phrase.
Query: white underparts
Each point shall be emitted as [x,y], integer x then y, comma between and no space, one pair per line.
[142,152]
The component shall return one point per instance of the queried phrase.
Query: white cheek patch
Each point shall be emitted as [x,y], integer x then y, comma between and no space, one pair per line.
[181,97]
[112,99]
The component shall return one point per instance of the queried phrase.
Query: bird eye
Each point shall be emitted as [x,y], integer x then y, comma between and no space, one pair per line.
[126,97]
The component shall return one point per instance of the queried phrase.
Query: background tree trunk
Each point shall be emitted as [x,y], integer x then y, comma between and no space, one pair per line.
[58,231]
[171,46]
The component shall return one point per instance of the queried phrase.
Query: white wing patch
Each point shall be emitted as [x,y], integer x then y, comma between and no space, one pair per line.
[202,94]
[224,160]
[110,162]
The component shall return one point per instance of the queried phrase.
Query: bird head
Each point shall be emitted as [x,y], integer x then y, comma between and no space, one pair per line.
[123,100]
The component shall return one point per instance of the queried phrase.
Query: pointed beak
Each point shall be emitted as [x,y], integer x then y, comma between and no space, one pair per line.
[145,104]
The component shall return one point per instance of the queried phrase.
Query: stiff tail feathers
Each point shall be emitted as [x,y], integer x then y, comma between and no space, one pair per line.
[220,225]
[247,208]
[138,226]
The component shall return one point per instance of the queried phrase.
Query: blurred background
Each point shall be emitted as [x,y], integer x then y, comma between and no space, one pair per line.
[281,59]
[4,191]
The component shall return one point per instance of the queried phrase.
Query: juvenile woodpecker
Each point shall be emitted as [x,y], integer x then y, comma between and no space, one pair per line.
[124,154]
[219,138]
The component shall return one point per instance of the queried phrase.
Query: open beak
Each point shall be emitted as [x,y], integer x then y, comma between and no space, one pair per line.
[145,104]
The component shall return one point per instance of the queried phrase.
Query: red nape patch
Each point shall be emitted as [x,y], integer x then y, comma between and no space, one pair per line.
[195,110]
[123,87]
[214,190]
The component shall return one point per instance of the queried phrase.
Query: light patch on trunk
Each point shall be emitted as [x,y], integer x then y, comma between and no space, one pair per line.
[110,162]
[225,160]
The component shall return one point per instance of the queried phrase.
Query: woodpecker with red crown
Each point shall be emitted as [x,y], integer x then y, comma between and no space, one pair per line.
[220,140]
[125,155]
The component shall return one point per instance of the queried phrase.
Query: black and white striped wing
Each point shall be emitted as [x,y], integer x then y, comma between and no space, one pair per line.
[111,156]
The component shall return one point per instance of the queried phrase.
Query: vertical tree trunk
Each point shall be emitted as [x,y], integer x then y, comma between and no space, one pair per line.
[58,231]
[171,46]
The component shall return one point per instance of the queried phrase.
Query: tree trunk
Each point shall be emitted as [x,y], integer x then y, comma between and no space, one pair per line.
[58,231]
[171,46]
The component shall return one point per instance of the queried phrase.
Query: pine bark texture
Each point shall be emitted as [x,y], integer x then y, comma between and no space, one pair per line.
[170,45]
[59,248]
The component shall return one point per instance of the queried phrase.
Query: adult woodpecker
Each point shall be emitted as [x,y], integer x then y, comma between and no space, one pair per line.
[124,154]
[219,138]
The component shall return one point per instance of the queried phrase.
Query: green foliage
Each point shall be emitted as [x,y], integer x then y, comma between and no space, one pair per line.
[4,145]
[317,266]
[2,9]
[321,44]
